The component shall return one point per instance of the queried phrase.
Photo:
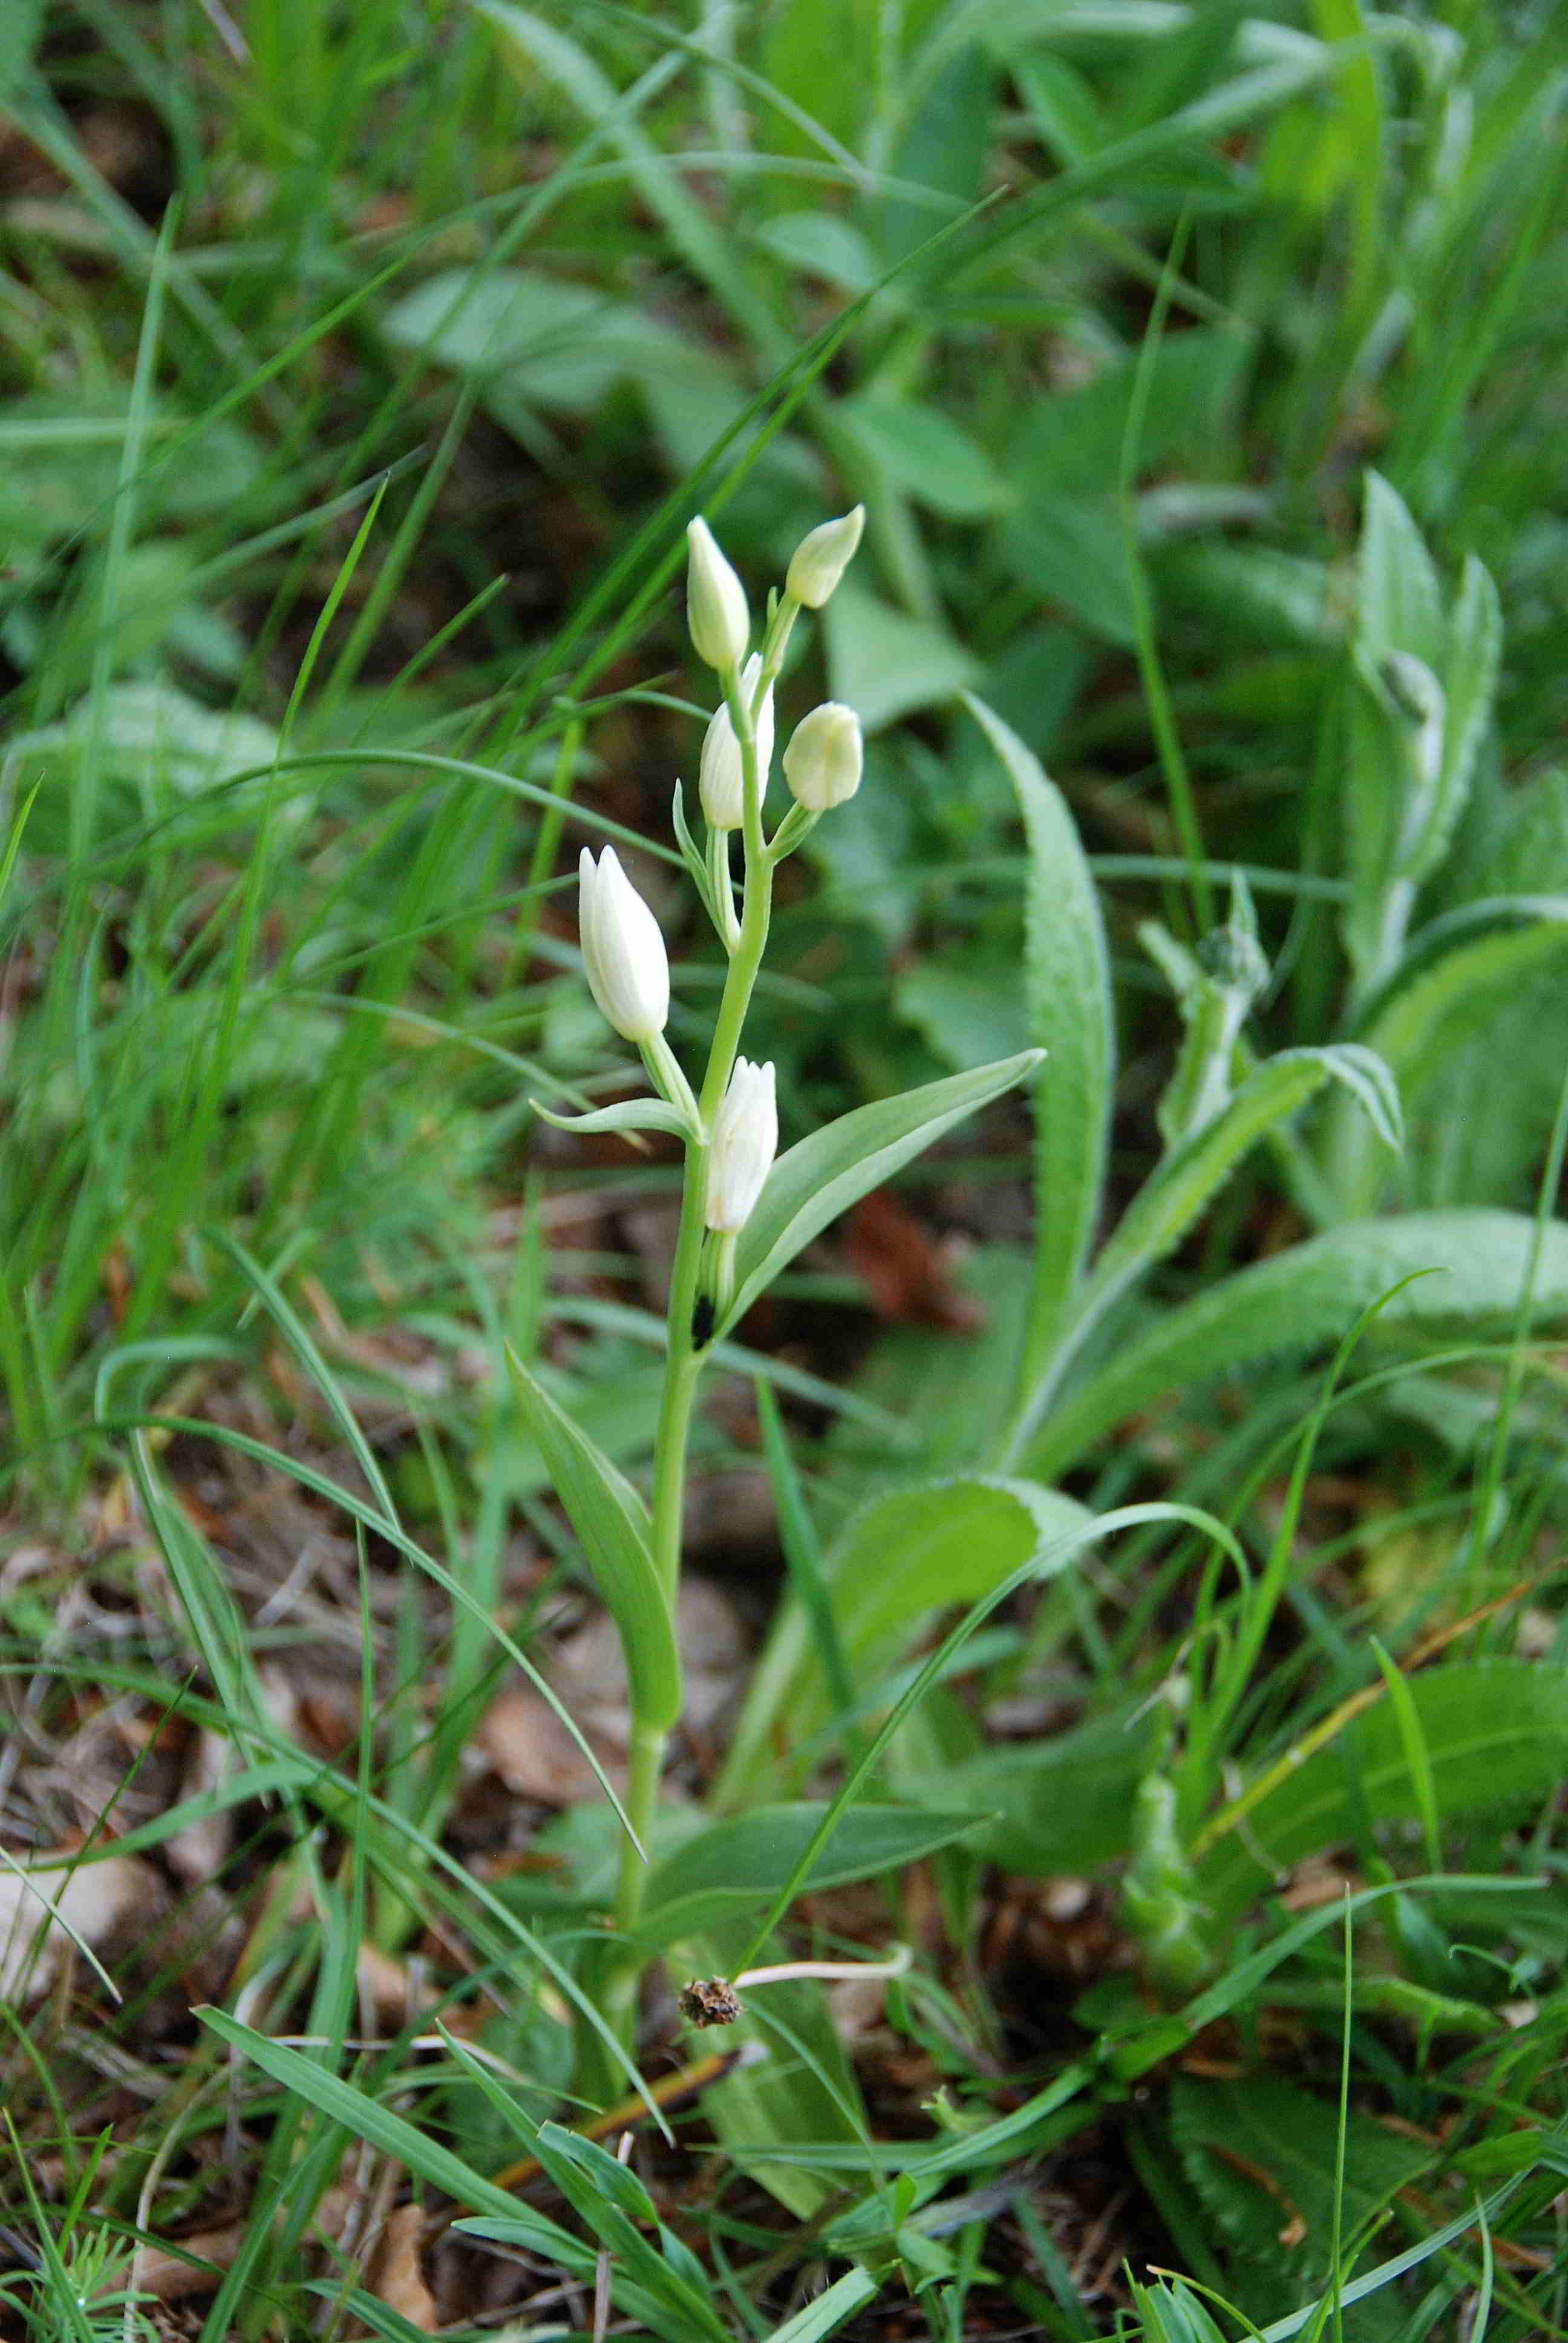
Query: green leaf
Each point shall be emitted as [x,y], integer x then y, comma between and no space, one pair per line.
[883,664]
[1469,678]
[1455,975]
[926,454]
[305,2077]
[721,1873]
[1308,1296]
[544,340]
[828,2309]
[1495,1738]
[628,1114]
[612,2203]
[612,1523]
[908,1555]
[815,1180]
[1068,982]
[1227,2129]
[1175,1193]
[1059,1805]
[1398,605]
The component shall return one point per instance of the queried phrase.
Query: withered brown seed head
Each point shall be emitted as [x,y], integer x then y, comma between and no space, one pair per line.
[708,2001]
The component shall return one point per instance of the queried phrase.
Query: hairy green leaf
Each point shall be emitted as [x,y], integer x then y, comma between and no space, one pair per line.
[1310,1295]
[1070,1018]
[1495,1740]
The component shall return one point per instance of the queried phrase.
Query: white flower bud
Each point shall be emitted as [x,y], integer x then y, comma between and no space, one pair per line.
[716,612]
[624,958]
[822,762]
[745,1141]
[720,783]
[822,558]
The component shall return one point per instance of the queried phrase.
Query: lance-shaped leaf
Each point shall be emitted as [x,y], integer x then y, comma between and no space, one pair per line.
[1067,987]
[628,1114]
[1171,1200]
[822,1176]
[1469,678]
[612,1524]
[1307,1297]
[1177,1191]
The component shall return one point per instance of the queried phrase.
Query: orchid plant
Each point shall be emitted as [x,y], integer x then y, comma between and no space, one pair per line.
[744,1214]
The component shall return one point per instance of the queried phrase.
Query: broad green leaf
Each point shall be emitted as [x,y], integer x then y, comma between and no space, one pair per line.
[544,340]
[1228,2130]
[926,455]
[1175,1193]
[820,1177]
[153,735]
[882,663]
[1057,1805]
[612,1522]
[908,1555]
[1309,1296]
[1070,1017]
[820,244]
[1495,1734]
[803,2096]
[1069,547]
[721,1873]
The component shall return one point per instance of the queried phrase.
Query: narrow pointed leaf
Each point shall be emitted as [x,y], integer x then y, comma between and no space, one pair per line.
[1170,1201]
[612,1523]
[628,1114]
[1067,987]
[822,1177]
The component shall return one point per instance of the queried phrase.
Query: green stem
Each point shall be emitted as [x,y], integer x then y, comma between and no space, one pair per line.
[683,1359]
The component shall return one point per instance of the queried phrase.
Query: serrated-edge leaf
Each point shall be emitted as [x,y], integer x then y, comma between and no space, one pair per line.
[613,1526]
[820,1177]
[1068,980]
[1450,977]
[1171,1198]
[1309,1295]
[1478,1718]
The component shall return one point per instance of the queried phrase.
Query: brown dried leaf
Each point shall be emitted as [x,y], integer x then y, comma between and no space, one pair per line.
[199,1852]
[906,1272]
[397,2279]
[524,1741]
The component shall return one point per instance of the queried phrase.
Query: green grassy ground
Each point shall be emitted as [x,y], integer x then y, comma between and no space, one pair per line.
[1201,372]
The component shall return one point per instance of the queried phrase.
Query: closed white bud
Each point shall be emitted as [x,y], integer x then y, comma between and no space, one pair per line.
[822,762]
[822,558]
[745,1141]
[716,612]
[720,782]
[627,965]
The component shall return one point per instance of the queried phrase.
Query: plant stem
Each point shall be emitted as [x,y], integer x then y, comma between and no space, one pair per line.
[683,1359]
